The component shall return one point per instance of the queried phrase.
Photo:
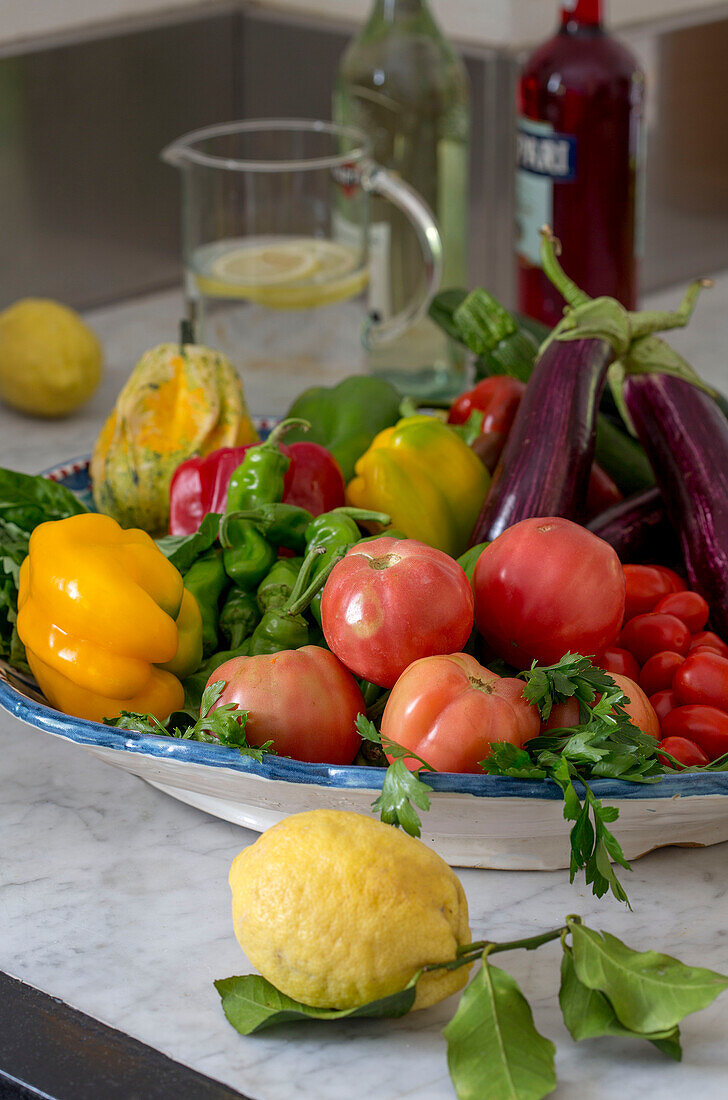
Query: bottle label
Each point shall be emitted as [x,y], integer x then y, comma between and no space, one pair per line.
[544,157]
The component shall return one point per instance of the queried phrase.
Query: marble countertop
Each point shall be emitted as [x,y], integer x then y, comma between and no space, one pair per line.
[114,897]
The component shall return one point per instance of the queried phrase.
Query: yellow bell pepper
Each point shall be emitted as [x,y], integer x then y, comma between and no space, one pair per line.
[422,474]
[105,620]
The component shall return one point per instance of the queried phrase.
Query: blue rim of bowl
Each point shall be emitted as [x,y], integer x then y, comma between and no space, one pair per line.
[283,769]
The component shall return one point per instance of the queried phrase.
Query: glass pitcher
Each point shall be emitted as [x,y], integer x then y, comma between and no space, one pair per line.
[275,224]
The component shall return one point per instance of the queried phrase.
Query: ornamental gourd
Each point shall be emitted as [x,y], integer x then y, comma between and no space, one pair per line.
[180,400]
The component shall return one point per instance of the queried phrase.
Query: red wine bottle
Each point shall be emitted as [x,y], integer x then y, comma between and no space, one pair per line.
[580,100]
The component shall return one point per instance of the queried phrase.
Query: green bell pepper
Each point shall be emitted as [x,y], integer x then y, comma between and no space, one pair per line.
[346,417]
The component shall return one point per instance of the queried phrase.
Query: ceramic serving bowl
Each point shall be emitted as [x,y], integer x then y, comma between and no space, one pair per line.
[473,821]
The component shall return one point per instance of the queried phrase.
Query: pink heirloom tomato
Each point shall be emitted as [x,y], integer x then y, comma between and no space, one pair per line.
[303,700]
[449,709]
[390,602]
[546,587]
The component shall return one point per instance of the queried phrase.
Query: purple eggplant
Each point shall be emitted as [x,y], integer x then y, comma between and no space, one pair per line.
[545,465]
[685,436]
[639,530]
[544,468]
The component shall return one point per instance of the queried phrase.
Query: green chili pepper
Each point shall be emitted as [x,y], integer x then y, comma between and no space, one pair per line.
[276,586]
[247,555]
[333,531]
[259,477]
[206,579]
[285,627]
[239,616]
[282,524]
[346,417]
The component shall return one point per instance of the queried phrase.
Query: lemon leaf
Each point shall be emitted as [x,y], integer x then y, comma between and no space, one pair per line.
[493,1048]
[251,1003]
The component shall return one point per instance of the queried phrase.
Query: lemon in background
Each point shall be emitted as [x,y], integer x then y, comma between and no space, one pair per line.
[50,361]
[337,909]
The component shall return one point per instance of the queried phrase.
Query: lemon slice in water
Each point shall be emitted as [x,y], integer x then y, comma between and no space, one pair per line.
[286,274]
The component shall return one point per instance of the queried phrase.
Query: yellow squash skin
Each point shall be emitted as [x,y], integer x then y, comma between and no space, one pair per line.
[105,619]
[426,478]
[178,401]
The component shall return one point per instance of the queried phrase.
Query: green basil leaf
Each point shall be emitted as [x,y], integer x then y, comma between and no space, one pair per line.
[251,1003]
[184,550]
[588,1013]
[28,499]
[493,1048]
[648,991]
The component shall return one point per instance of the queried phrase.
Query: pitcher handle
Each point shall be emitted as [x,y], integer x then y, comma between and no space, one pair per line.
[379,181]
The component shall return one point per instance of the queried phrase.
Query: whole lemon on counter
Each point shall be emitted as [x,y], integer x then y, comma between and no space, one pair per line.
[337,909]
[50,361]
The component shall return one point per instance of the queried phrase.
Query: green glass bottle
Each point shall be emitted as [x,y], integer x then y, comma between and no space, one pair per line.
[402,83]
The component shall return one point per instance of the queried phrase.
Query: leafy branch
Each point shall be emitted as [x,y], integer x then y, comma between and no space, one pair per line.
[493,1046]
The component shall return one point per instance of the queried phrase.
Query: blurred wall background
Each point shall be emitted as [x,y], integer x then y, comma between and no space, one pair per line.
[90,215]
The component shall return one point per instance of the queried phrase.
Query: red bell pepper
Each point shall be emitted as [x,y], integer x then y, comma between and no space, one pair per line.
[313,481]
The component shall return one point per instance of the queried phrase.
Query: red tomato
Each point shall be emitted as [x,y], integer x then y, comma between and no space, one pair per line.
[705,639]
[662,703]
[703,678]
[546,586]
[562,716]
[687,752]
[639,707]
[498,397]
[449,709]
[652,633]
[689,607]
[706,726]
[621,661]
[646,586]
[390,602]
[658,671]
[303,700]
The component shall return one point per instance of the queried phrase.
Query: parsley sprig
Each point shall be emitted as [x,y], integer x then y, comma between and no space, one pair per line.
[605,744]
[402,789]
[223,726]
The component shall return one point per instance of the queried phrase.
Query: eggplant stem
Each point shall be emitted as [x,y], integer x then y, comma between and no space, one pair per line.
[649,321]
[550,249]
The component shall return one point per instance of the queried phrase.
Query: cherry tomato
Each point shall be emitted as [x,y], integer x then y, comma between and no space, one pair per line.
[602,493]
[303,700]
[449,709]
[546,586]
[658,671]
[639,707]
[687,752]
[391,601]
[652,633]
[663,702]
[621,661]
[498,397]
[703,678]
[706,726]
[689,607]
[705,639]
[679,583]
[646,586]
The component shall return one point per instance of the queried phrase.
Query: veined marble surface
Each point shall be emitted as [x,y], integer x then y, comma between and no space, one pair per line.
[114,897]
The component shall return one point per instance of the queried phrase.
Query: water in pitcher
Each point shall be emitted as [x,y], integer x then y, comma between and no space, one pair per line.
[289,305]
